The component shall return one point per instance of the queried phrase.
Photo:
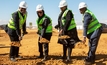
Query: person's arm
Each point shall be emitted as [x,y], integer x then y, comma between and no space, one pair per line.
[24,28]
[16,22]
[59,20]
[45,25]
[87,19]
[24,25]
[68,18]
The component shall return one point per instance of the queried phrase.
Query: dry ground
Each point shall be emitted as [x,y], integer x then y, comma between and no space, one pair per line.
[29,51]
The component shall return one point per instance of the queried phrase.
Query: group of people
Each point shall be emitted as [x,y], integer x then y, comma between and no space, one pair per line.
[16,29]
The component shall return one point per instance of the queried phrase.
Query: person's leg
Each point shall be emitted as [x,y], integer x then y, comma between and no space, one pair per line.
[93,43]
[17,51]
[16,39]
[69,53]
[64,51]
[40,46]
[12,52]
[46,50]
[46,47]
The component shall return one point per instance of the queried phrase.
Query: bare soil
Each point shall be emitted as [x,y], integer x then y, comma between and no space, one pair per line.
[29,51]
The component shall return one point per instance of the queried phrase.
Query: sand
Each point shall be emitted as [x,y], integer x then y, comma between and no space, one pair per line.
[29,50]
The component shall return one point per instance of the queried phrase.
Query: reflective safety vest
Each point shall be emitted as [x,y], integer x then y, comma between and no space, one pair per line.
[39,24]
[72,24]
[21,21]
[94,24]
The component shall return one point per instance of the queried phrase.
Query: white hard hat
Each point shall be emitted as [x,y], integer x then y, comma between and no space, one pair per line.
[82,5]
[23,4]
[39,7]
[63,3]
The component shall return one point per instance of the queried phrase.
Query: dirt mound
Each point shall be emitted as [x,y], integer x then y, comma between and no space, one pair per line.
[80,45]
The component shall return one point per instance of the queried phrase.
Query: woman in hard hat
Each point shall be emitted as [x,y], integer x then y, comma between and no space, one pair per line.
[16,23]
[44,24]
[67,26]
[92,30]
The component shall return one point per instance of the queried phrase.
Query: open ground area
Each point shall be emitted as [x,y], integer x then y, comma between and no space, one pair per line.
[29,51]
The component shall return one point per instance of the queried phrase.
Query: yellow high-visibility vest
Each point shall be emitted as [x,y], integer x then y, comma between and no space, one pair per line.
[72,24]
[39,25]
[21,21]
[94,24]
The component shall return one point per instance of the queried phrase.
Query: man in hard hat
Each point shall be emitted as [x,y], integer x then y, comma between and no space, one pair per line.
[92,30]
[67,26]
[14,27]
[44,24]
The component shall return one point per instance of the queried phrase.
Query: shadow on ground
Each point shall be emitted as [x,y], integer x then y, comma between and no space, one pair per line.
[4,46]
[101,59]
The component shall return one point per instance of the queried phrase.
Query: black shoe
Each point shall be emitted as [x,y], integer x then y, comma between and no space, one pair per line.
[87,62]
[13,59]
[44,59]
[19,57]
[68,59]
[63,57]
[41,56]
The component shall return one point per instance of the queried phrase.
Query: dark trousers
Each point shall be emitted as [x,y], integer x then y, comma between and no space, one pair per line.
[65,48]
[14,51]
[93,43]
[44,45]
[68,46]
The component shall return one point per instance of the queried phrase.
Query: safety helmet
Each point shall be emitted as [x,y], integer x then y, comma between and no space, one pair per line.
[82,5]
[39,7]
[63,3]
[23,4]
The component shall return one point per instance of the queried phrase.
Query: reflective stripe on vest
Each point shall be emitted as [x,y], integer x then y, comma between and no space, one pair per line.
[72,24]
[21,21]
[49,27]
[94,24]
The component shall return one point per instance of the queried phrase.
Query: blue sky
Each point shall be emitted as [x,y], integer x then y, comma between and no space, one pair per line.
[98,7]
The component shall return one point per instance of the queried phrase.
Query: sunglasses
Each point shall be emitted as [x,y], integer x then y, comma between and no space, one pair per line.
[40,12]
[23,9]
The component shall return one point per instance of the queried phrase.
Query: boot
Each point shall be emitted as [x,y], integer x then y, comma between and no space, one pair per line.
[13,59]
[64,52]
[41,55]
[19,57]
[63,57]
[45,58]
[69,54]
